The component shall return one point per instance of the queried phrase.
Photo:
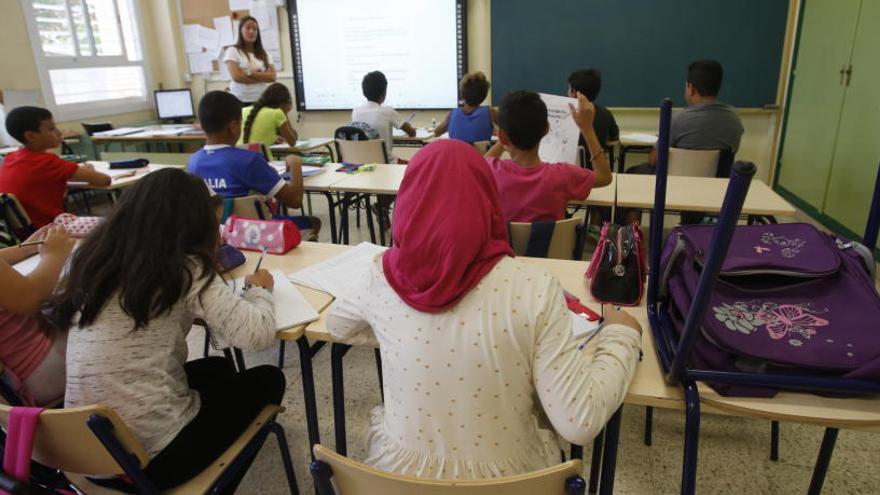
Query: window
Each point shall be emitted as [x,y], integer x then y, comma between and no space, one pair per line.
[90,56]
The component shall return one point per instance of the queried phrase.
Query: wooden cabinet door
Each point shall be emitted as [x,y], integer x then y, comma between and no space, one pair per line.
[857,151]
[824,49]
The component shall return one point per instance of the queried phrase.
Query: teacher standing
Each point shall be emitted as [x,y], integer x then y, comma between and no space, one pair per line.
[250,66]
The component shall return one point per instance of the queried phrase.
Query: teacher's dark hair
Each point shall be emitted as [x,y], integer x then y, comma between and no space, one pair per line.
[159,240]
[259,51]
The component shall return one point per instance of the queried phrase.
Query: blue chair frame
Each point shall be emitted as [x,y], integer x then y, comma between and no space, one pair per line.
[674,352]
[103,429]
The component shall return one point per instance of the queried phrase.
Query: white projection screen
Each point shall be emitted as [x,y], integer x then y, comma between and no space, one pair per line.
[420,46]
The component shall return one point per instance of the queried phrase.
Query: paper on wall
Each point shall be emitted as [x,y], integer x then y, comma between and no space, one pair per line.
[265,13]
[561,142]
[276,59]
[238,4]
[200,63]
[191,34]
[225,34]
[270,39]
[209,39]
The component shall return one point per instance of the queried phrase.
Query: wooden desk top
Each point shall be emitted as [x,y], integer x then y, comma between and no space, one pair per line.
[324,181]
[638,138]
[122,182]
[698,194]
[649,388]
[302,145]
[143,135]
[384,179]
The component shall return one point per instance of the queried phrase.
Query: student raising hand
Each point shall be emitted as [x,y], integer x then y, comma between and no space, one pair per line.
[585,112]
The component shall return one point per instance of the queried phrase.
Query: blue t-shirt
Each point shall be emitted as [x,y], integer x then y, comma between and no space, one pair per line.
[234,172]
[471,127]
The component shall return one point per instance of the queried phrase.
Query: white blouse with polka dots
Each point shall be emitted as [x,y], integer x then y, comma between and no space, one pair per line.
[460,385]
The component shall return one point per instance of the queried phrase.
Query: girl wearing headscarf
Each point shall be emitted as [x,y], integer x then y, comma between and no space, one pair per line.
[470,336]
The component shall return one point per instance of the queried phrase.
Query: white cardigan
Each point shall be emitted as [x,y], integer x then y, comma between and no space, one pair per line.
[460,385]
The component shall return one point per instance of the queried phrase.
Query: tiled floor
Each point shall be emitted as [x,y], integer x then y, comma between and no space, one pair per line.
[733,451]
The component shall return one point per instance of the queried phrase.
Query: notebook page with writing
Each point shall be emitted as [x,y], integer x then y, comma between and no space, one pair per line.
[291,308]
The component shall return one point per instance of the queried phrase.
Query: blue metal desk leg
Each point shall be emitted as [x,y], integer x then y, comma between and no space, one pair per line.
[370,225]
[337,352]
[609,454]
[774,441]
[281,354]
[691,439]
[378,355]
[332,213]
[649,425]
[346,200]
[308,382]
[239,359]
[596,461]
[823,461]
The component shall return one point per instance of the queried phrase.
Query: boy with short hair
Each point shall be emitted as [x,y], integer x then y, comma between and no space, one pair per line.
[470,122]
[531,190]
[375,114]
[589,83]
[233,172]
[706,123]
[38,178]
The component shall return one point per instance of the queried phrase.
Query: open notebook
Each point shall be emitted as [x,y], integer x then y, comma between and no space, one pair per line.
[291,308]
[334,275]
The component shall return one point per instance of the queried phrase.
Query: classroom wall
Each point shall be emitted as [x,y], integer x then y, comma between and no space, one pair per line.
[167,64]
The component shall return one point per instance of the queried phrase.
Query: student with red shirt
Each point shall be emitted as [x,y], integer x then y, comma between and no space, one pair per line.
[37,178]
[530,189]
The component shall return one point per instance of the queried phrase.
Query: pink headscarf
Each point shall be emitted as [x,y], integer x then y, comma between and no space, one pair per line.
[448,228]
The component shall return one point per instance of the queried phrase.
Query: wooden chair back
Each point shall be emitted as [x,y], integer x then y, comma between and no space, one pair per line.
[353,478]
[371,151]
[64,441]
[562,244]
[693,163]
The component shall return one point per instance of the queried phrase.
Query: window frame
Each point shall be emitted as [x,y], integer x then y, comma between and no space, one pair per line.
[98,108]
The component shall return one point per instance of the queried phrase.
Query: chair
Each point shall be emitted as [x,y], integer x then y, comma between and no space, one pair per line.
[93,440]
[562,239]
[256,148]
[335,474]
[693,163]
[15,216]
[353,145]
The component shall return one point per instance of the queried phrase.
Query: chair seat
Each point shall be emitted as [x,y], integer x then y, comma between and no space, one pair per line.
[203,481]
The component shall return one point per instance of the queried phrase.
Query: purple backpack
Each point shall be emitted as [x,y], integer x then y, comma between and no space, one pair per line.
[789,299]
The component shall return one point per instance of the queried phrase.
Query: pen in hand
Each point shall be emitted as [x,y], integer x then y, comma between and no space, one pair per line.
[259,263]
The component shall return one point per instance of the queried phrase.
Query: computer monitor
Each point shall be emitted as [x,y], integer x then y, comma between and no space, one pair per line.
[174,104]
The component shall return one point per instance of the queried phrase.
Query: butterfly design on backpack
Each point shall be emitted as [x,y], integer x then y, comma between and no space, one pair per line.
[793,322]
[790,247]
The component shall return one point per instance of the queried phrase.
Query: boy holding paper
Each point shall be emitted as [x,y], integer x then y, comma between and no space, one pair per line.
[530,189]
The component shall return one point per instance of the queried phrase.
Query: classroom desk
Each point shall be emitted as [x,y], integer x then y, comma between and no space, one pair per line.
[634,191]
[423,136]
[122,182]
[384,179]
[305,146]
[145,135]
[641,141]
[688,194]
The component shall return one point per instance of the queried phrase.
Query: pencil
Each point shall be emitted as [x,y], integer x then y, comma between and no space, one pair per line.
[31,243]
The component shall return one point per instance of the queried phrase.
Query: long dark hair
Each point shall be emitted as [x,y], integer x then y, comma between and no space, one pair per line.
[142,253]
[274,96]
[259,51]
